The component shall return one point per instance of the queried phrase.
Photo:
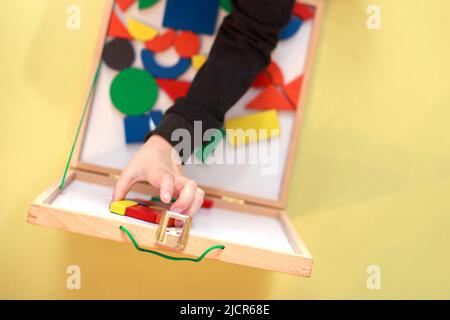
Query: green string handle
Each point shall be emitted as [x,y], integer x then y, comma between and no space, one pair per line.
[83,115]
[165,256]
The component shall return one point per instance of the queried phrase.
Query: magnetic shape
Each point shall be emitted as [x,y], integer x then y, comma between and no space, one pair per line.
[174,88]
[198,16]
[125,4]
[303,11]
[205,151]
[118,54]
[133,91]
[292,89]
[142,213]
[270,98]
[140,31]
[207,204]
[158,71]
[144,4]
[271,75]
[291,28]
[198,61]
[119,207]
[161,42]
[136,128]
[156,116]
[226,5]
[187,44]
[117,29]
[254,127]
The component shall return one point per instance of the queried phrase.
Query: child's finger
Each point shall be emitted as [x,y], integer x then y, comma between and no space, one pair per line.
[194,207]
[167,186]
[187,191]
[123,185]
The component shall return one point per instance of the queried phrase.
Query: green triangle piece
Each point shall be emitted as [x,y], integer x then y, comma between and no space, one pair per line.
[144,4]
[203,152]
[226,5]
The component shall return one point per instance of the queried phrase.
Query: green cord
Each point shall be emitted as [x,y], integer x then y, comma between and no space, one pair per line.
[94,82]
[200,258]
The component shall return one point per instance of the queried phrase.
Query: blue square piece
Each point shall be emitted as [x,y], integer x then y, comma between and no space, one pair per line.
[136,128]
[199,16]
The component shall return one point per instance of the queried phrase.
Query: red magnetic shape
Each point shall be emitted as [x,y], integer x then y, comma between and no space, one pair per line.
[171,222]
[117,29]
[207,203]
[271,75]
[270,98]
[187,44]
[161,42]
[292,89]
[174,88]
[303,11]
[125,4]
[142,213]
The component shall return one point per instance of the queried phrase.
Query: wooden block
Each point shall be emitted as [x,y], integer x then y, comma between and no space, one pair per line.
[271,98]
[159,71]
[187,44]
[292,89]
[133,91]
[198,16]
[198,61]
[144,4]
[136,128]
[117,29]
[125,4]
[143,213]
[265,120]
[118,54]
[303,11]
[291,28]
[271,75]
[156,116]
[119,207]
[140,31]
[161,42]
[174,88]
[207,204]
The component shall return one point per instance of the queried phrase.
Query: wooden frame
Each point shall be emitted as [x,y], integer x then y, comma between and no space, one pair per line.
[41,211]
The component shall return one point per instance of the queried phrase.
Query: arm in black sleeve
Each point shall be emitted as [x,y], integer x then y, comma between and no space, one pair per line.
[240,51]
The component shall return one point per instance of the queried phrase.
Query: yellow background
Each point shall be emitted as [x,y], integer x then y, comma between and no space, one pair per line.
[372,176]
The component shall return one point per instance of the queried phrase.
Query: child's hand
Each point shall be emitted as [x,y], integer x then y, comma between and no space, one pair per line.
[159,164]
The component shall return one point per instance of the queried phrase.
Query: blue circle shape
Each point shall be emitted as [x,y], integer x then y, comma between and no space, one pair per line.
[291,28]
[159,71]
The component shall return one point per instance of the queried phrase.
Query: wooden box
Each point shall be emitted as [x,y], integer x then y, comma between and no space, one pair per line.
[248,216]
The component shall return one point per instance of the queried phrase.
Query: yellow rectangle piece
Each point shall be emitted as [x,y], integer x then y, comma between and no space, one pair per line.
[120,207]
[253,127]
